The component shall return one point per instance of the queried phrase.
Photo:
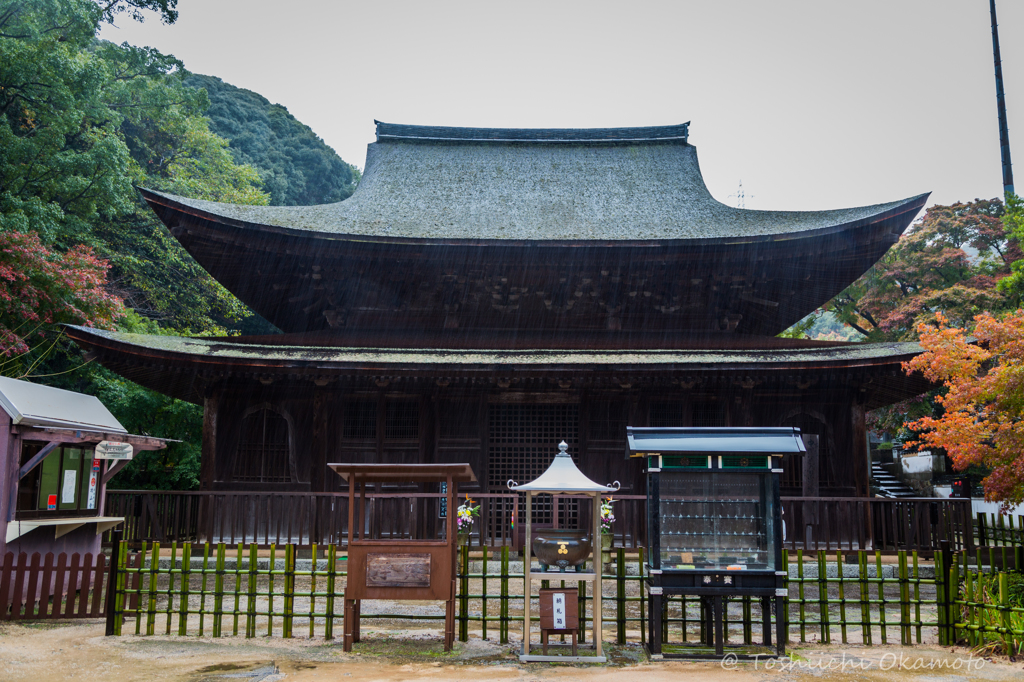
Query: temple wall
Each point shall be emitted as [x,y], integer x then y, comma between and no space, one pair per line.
[508,433]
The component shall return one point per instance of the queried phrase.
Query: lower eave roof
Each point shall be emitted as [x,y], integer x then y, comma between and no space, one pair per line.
[204,351]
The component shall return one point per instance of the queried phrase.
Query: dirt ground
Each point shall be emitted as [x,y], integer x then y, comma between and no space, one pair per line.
[79,651]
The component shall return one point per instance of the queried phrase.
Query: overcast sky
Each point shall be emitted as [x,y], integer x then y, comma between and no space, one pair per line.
[811,104]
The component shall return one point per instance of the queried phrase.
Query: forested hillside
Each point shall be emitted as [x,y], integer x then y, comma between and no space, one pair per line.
[82,123]
[297,167]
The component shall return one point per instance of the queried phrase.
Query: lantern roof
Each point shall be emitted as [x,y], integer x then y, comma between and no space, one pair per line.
[562,476]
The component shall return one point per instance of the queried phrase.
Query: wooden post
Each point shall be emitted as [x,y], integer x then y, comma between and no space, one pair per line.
[861,455]
[811,466]
[112,576]
[598,575]
[527,585]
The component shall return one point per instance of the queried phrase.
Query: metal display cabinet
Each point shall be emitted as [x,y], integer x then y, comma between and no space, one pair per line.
[714,524]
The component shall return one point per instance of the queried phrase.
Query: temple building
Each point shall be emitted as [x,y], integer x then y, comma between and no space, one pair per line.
[487,293]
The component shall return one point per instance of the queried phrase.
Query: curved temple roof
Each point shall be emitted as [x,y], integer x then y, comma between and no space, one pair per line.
[180,366]
[476,185]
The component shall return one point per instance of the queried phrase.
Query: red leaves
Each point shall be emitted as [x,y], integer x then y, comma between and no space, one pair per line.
[983,423]
[40,287]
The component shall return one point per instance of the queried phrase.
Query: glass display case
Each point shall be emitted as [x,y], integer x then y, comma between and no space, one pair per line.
[714,525]
[715,521]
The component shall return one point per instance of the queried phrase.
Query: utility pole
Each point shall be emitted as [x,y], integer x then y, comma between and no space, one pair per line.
[1004,133]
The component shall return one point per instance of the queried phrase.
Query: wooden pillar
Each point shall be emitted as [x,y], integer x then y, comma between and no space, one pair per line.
[811,466]
[208,461]
[10,462]
[319,476]
[859,447]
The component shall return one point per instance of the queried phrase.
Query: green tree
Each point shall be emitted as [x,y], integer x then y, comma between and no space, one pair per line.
[951,260]
[296,166]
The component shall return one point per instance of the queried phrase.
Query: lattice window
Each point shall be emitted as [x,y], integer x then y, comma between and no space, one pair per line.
[607,421]
[402,420]
[523,439]
[361,419]
[709,414]
[263,450]
[669,413]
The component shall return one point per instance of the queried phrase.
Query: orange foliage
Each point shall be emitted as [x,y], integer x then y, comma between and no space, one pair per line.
[983,402]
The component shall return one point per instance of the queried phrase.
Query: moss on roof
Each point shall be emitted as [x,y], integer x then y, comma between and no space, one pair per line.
[518,189]
[213,349]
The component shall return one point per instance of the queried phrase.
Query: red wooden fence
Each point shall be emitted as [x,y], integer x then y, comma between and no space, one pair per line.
[35,588]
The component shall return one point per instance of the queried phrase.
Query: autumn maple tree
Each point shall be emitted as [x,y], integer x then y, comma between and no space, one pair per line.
[40,287]
[982,420]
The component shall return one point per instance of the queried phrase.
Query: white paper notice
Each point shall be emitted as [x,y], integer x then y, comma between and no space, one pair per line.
[67,493]
[558,610]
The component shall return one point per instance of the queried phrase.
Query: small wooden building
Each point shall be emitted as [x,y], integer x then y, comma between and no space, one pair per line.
[52,485]
[487,293]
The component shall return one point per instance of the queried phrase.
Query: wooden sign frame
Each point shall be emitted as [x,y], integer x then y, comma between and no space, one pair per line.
[400,569]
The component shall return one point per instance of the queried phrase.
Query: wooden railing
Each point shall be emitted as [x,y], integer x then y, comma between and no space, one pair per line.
[877,523]
[265,518]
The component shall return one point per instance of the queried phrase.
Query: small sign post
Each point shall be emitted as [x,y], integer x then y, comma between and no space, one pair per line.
[108,449]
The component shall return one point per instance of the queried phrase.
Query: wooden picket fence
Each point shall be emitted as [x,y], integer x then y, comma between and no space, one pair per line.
[46,587]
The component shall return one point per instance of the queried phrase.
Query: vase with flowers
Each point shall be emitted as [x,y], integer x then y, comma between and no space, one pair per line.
[464,520]
[607,519]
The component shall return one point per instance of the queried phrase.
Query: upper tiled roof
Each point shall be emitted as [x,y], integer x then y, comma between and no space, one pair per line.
[498,185]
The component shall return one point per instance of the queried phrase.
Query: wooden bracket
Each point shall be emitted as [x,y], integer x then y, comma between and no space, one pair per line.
[113,469]
[39,457]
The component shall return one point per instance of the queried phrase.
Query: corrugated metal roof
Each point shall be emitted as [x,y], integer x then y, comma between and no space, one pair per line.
[768,440]
[31,404]
[510,188]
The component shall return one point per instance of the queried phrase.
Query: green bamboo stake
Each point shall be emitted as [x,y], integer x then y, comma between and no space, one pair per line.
[202,590]
[289,591]
[250,601]
[901,559]
[941,597]
[1004,608]
[800,592]
[137,590]
[952,594]
[170,586]
[842,594]
[238,587]
[270,591]
[825,624]
[620,596]
[218,591]
[748,625]
[119,587]
[186,585]
[881,596]
[331,577]
[785,584]
[312,593]
[154,566]
[483,599]
[865,608]
[503,607]
[643,597]
[464,595]
[969,599]
[917,597]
